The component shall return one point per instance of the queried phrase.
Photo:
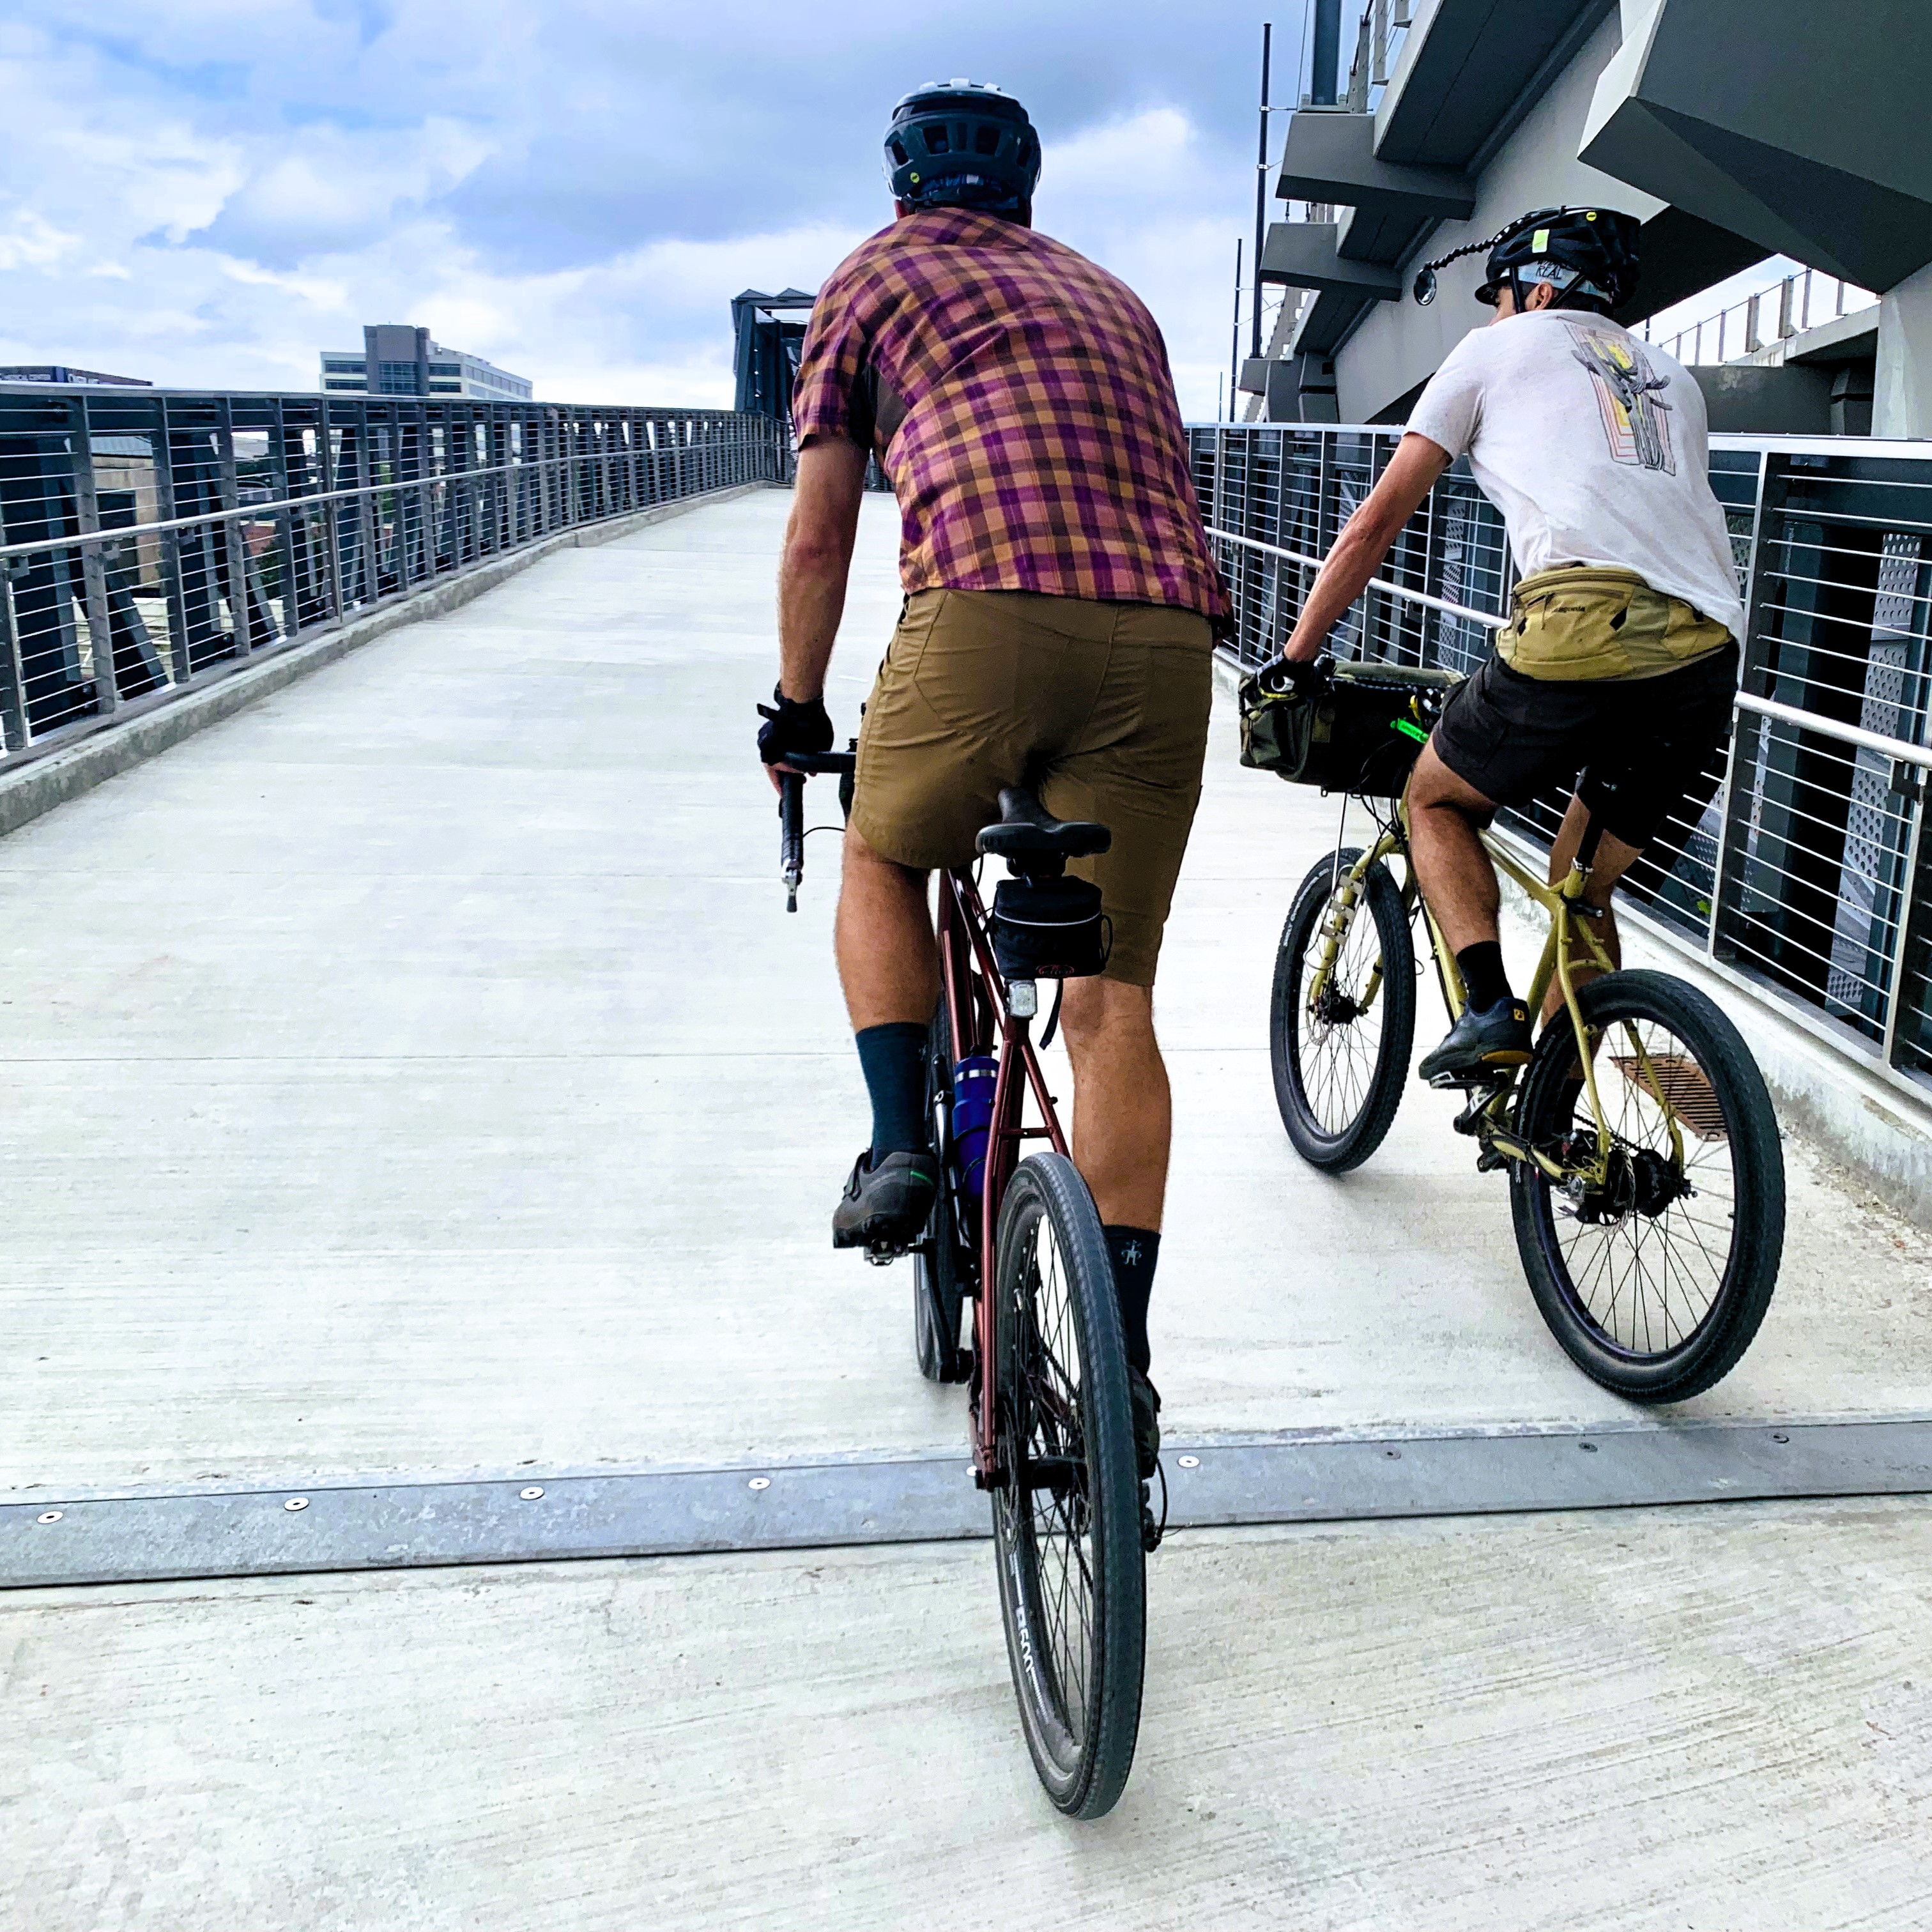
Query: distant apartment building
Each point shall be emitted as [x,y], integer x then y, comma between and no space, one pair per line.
[404,361]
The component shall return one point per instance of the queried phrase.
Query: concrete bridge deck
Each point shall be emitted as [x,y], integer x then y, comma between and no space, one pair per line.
[417,1073]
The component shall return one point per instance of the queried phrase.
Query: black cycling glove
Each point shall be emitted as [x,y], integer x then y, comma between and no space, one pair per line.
[792,727]
[1304,677]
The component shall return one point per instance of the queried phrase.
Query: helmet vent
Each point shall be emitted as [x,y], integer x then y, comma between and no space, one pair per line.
[899,154]
[938,141]
[986,139]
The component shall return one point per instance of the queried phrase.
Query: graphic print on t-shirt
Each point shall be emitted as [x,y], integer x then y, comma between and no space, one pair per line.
[1629,395]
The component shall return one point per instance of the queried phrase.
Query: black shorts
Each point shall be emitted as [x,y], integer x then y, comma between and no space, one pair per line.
[1643,748]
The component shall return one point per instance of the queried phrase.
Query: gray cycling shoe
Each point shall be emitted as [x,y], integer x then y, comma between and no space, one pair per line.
[886,1206]
[1481,1043]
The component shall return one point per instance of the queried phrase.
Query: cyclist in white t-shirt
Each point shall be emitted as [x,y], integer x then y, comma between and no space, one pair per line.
[1619,663]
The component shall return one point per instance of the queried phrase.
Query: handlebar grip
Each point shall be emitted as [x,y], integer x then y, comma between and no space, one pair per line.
[791,827]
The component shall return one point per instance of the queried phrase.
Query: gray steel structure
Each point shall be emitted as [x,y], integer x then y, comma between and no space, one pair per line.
[175,535]
[1810,875]
[1792,133]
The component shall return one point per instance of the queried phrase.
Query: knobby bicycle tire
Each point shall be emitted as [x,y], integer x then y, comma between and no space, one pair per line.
[938,1268]
[1720,1097]
[1066,1520]
[1336,1145]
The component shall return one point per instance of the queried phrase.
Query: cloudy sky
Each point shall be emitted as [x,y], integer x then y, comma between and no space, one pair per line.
[208,192]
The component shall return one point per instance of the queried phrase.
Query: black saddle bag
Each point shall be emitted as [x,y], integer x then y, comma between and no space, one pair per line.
[1363,734]
[1049,929]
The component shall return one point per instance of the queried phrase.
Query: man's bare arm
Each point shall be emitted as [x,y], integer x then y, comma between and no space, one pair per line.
[1365,542]
[817,559]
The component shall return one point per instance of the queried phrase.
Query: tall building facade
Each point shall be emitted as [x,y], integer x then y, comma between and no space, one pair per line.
[398,360]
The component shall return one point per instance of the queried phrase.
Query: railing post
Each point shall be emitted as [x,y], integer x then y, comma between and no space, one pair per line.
[13,676]
[181,656]
[1747,727]
[93,566]
[1911,910]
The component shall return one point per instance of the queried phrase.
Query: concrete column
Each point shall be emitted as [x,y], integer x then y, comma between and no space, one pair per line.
[1902,397]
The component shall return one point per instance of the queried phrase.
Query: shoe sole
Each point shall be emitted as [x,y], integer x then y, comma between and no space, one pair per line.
[1507,1056]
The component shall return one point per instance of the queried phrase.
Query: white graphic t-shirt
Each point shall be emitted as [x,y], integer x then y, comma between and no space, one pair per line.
[1595,446]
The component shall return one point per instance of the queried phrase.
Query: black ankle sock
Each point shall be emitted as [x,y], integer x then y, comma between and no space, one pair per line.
[894,1058]
[1483,979]
[1134,1251]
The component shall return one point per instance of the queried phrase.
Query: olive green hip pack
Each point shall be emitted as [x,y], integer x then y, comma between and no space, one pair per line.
[1580,623]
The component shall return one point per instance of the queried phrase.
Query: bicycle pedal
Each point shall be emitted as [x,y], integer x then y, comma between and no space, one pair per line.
[1469,1121]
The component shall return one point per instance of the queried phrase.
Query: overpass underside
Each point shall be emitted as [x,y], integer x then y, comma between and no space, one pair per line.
[422,1120]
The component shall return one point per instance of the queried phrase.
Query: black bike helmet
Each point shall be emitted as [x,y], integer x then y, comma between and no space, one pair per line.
[1588,255]
[962,144]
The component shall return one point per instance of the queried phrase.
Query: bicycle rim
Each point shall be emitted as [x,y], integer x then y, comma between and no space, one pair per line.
[1656,1278]
[1341,1053]
[1066,1521]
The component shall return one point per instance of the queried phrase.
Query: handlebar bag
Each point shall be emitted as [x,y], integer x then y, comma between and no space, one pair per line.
[1049,929]
[1362,734]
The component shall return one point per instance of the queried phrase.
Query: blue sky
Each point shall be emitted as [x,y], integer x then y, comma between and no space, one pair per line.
[208,192]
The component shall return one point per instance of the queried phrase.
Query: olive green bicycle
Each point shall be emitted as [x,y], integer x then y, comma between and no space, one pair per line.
[1646,1178]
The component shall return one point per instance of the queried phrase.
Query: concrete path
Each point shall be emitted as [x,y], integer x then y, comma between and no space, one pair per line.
[420,1072]
[1717,1719]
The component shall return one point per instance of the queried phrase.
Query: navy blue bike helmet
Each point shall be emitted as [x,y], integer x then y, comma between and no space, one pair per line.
[962,144]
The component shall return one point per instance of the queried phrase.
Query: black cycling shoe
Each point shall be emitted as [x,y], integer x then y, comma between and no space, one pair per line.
[888,1205]
[1144,1399]
[1479,1042]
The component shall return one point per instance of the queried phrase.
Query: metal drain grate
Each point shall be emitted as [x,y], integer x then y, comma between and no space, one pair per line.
[1678,1082]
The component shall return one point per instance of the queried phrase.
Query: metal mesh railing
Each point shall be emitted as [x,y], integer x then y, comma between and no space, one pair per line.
[1808,874]
[150,539]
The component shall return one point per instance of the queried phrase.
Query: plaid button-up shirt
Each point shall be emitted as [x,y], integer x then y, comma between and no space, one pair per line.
[1020,400]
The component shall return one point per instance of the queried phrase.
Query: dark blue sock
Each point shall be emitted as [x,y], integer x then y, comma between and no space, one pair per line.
[1134,1251]
[894,1058]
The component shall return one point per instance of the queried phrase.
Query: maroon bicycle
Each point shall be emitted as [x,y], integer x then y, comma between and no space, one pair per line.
[1043,1356]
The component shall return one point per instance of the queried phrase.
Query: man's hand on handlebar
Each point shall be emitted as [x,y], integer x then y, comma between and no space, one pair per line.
[791,726]
[1304,677]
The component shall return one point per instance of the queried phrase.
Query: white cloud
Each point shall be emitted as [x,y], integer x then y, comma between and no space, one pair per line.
[209,192]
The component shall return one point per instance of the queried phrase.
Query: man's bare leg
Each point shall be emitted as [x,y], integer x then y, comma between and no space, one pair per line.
[1123,1112]
[1123,1122]
[888,957]
[1454,872]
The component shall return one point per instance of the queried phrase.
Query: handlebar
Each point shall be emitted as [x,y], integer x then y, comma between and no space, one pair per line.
[791,810]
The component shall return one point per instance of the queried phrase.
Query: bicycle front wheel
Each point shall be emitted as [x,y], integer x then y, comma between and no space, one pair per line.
[1340,1042]
[1066,1518]
[1655,1274]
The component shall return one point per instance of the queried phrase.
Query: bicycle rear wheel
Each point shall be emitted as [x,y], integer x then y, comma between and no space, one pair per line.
[1066,1521]
[1341,1056]
[940,1270]
[1656,1281]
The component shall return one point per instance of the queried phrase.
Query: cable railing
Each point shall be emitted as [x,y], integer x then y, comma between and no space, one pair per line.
[151,540]
[1808,876]
[1761,326]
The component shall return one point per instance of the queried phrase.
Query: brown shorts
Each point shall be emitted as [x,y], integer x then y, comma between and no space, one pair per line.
[1102,708]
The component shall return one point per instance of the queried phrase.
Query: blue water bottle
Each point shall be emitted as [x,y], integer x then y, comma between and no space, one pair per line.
[973,1082]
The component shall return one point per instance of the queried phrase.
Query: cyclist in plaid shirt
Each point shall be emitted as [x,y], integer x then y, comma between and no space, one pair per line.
[1061,600]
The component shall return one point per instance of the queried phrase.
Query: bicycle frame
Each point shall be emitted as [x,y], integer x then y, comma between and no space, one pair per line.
[1569,921]
[978,1008]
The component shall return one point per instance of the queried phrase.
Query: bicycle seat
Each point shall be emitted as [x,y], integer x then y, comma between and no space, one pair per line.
[1025,832]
